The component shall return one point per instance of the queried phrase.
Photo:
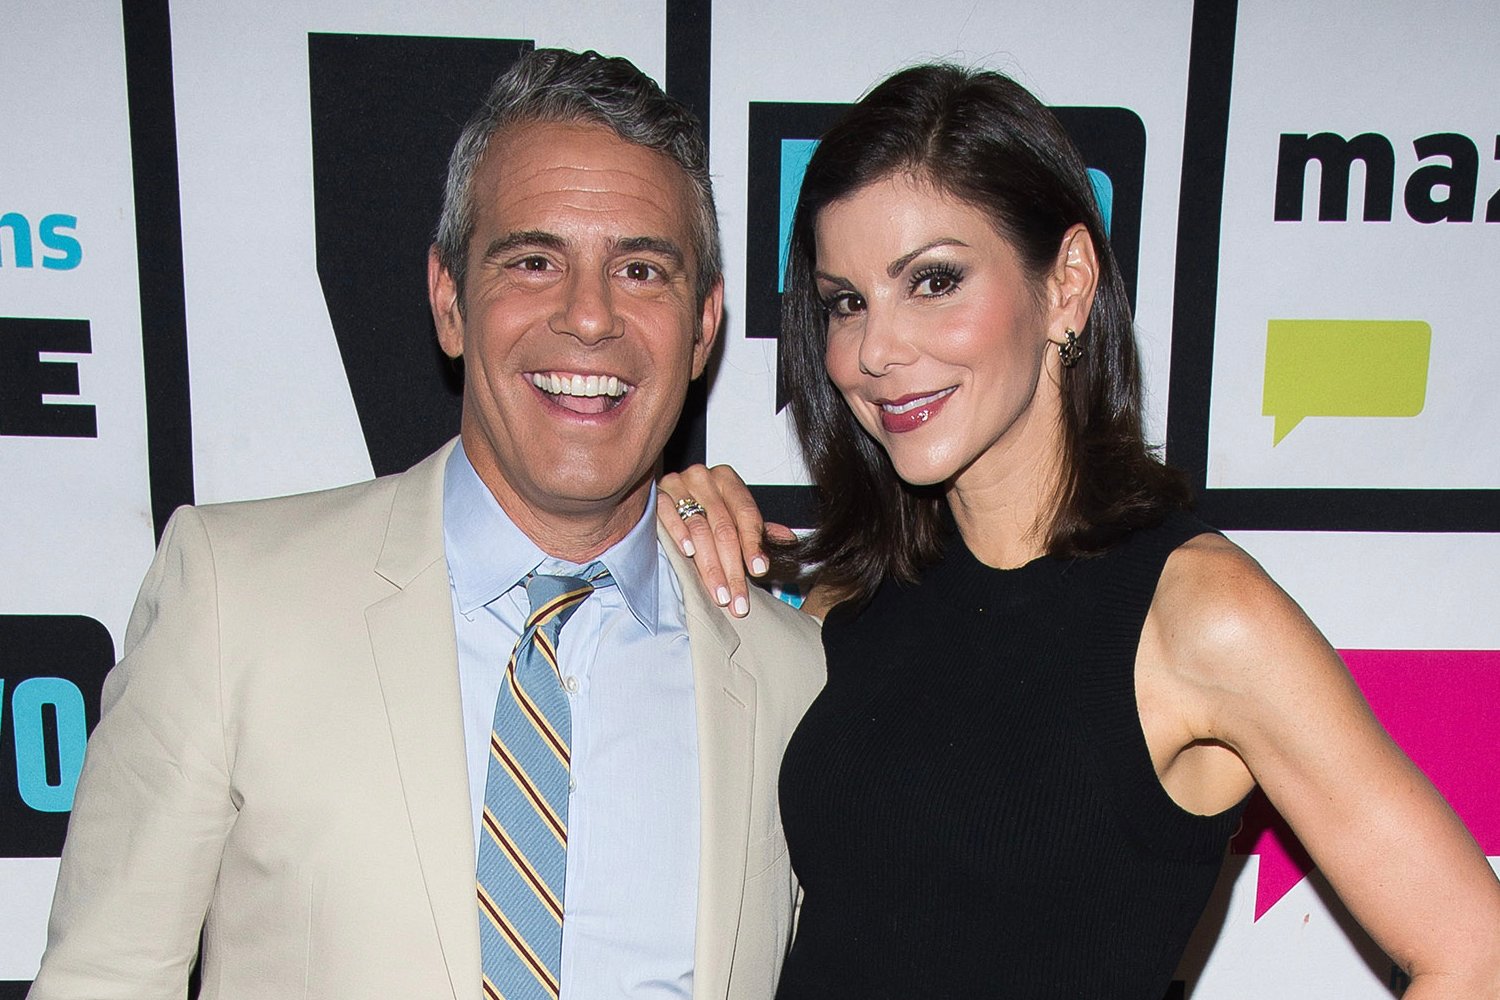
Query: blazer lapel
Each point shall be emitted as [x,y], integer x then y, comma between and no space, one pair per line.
[725,695]
[411,635]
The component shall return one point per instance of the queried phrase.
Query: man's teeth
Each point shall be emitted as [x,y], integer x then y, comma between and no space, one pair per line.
[913,404]
[579,385]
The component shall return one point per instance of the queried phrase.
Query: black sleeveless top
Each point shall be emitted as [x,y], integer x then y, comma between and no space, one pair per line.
[970,804]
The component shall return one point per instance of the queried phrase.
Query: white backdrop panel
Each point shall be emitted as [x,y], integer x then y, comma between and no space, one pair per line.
[75,510]
[1400,73]
[76,535]
[271,407]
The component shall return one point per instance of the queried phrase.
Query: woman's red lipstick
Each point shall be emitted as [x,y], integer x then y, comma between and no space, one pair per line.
[908,413]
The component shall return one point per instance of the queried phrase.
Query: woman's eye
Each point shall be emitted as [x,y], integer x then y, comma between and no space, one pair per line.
[844,304]
[934,282]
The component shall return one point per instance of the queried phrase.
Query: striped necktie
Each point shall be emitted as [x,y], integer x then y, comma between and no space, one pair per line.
[523,846]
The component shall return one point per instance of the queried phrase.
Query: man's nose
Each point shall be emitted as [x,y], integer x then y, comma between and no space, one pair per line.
[587,308]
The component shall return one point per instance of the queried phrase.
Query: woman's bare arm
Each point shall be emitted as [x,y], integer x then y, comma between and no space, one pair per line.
[1252,672]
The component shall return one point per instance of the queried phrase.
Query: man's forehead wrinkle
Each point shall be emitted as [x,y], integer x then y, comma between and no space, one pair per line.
[520,198]
[528,219]
[590,178]
[596,197]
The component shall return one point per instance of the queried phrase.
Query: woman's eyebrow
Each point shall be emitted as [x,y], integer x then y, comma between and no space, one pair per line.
[898,265]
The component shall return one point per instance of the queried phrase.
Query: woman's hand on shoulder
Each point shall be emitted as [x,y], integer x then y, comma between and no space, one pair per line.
[725,539]
[1258,677]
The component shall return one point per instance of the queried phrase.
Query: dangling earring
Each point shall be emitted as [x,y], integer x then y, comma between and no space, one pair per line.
[1068,352]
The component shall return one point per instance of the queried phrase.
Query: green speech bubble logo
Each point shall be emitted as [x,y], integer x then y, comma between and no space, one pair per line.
[1344,368]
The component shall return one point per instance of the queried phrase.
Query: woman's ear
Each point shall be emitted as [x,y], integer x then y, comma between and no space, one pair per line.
[1070,288]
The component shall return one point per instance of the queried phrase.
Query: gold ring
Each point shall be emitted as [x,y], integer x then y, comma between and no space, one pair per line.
[688,507]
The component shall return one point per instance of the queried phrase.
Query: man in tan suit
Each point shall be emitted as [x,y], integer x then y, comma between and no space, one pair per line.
[287,762]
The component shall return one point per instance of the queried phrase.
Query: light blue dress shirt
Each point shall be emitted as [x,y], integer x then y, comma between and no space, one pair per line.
[630,900]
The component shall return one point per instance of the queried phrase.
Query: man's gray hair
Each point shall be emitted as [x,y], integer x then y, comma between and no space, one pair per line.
[562,87]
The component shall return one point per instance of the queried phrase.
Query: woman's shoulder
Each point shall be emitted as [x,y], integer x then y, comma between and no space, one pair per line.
[1221,622]
[1210,583]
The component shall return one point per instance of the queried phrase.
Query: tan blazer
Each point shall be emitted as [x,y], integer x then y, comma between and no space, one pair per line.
[281,764]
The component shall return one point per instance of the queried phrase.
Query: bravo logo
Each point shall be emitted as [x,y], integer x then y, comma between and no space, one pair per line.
[1440,706]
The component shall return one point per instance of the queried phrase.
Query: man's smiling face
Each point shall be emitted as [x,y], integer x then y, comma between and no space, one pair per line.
[579,328]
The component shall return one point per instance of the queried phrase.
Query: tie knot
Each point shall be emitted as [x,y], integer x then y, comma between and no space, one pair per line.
[554,598]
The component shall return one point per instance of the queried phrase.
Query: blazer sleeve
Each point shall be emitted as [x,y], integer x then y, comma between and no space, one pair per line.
[154,804]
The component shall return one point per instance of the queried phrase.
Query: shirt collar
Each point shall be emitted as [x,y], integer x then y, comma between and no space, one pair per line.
[488,555]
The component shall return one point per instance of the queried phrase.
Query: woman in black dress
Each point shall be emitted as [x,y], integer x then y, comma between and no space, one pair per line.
[1050,689]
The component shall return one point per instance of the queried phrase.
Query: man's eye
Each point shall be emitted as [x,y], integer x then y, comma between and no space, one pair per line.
[533,263]
[639,270]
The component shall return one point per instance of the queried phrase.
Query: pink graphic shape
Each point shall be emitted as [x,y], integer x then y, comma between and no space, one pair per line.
[1442,707]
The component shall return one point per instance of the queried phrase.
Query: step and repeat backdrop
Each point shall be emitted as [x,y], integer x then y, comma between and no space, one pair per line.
[213,224]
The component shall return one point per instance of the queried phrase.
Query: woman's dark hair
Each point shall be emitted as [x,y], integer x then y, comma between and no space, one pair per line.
[982,138]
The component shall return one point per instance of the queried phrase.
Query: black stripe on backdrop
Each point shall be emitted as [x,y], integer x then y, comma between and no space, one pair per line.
[382,124]
[1205,139]
[158,237]
[689,52]
[1200,206]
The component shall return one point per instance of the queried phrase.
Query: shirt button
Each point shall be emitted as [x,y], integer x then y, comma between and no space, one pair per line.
[572,784]
[571,683]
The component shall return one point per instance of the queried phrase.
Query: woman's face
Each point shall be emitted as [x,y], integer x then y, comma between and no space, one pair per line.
[936,336]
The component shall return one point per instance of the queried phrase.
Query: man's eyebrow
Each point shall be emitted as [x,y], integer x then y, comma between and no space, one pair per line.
[652,244]
[541,239]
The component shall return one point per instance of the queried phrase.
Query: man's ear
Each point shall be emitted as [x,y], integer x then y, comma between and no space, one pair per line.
[708,326]
[442,293]
[1070,287]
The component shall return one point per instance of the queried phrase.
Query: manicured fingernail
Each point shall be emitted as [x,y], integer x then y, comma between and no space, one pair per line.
[741,606]
[757,565]
[687,547]
[722,594]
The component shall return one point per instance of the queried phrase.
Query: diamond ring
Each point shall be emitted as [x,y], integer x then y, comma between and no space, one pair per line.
[688,507]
